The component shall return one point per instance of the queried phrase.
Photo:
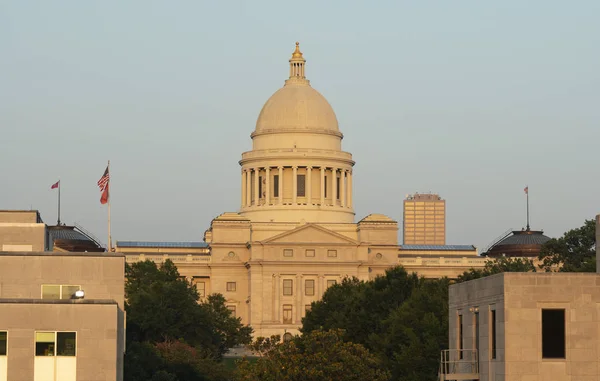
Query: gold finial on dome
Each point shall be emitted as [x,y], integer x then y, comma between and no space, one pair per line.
[297,53]
[297,63]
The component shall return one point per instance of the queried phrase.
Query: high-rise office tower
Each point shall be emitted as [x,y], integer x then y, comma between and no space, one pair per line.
[424,220]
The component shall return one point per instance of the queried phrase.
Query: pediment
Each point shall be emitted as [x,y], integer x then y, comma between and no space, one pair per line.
[310,233]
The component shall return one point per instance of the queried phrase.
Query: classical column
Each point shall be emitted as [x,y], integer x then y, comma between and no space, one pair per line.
[343,187]
[277,306]
[320,287]
[256,180]
[295,184]
[268,186]
[309,185]
[299,306]
[280,186]
[243,187]
[333,186]
[248,187]
[322,186]
[350,189]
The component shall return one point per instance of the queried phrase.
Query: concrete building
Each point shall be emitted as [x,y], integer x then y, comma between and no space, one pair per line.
[24,230]
[295,233]
[525,327]
[424,220]
[61,316]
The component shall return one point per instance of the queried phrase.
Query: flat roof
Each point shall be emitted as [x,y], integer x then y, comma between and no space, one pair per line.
[438,247]
[60,254]
[57,301]
[162,244]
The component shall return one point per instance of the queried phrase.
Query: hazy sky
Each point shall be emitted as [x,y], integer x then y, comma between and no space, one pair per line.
[470,99]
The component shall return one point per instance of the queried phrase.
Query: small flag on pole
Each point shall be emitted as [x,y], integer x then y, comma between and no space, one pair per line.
[103,185]
[526,190]
[55,185]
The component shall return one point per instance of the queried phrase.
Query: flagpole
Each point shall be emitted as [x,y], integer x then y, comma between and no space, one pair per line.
[109,237]
[528,208]
[58,223]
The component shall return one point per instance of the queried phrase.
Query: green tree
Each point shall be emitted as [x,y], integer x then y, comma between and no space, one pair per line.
[573,252]
[359,308]
[316,356]
[499,265]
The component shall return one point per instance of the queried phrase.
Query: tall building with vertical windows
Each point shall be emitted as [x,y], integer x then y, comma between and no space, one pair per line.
[424,220]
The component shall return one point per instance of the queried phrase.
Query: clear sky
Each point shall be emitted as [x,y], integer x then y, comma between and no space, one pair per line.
[469,99]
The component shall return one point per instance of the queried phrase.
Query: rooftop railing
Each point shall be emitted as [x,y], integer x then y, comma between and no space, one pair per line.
[459,364]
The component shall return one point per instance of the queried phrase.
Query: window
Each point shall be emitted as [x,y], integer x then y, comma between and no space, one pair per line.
[59,291]
[288,252]
[55,343]
[332,253]
[3,343]
[309,287]
[310,252]
[201,287]
[231,286]
[460,336]
[325,186]
[287,313]
[553,334]
[306,308]
[288,286]
[260,186]
[337,187]
[331,282]
[493,333]
[275,185]
[300,185]
[232,310]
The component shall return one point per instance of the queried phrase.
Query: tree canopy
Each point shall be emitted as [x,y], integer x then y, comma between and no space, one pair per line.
[316,356]
[499,265]
[170,334]
[573,252]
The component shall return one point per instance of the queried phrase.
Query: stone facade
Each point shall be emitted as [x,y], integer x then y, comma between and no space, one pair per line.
[28,308]
[22,230]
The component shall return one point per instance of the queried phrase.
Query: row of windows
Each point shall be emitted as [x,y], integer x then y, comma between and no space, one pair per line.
[309,253]
[59,291]
[300,186]
[288,312]
[553,333]
[309,286]
[47,343]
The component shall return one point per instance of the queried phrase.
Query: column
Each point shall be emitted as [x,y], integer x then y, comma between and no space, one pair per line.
[309,185]
[243,188]
[343,187]
[295,184]
[320,287]
[350,189]
[277,306]
[256,179]
[322,186]
[268,185]
[248,187]
[280,192]
[333,186]
[299,305]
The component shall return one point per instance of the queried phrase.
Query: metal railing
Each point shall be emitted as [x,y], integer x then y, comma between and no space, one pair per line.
[459,364]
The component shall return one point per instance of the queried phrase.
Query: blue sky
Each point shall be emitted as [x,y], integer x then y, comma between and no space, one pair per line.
[470,99]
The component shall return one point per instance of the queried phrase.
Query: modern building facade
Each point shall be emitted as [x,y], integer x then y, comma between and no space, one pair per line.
[525,327]
[424,220]
[295,233]
[61,316]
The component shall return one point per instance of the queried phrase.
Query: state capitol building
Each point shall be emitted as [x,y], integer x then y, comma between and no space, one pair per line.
[295,233]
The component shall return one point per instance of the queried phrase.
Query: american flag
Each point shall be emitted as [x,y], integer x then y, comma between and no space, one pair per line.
[103,182]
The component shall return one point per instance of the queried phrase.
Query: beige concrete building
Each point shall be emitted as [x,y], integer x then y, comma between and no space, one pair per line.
[61,316]
[525,327]
[22,230]
[424,220]
[295,233]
